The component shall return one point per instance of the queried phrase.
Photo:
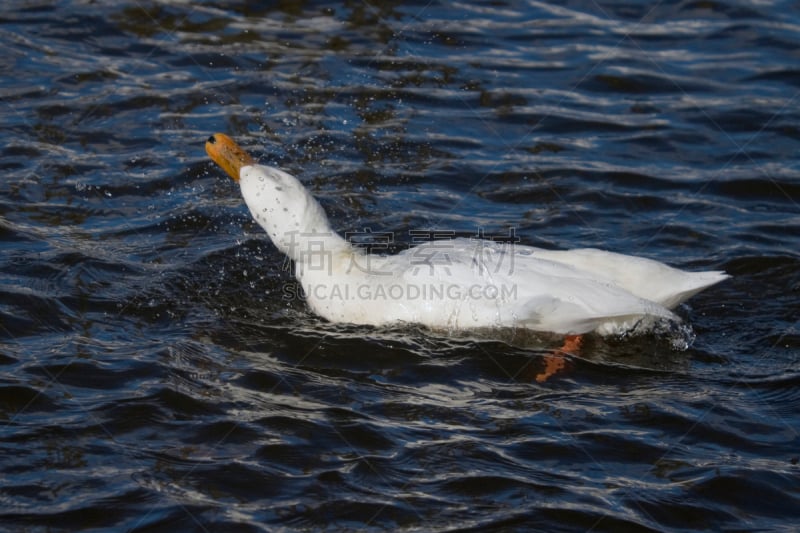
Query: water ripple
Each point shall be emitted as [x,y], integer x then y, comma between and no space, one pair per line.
[155,373]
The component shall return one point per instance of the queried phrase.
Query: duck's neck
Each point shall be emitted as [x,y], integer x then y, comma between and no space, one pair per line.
[309,239]
[291,216]
[312,246]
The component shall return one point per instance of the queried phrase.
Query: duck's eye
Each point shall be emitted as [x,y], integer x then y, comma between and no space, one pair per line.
[212,139]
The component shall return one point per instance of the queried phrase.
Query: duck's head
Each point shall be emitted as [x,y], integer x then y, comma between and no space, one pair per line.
[228,155]
[278,201]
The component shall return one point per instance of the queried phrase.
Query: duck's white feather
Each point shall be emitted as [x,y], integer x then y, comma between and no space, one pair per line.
[461,283]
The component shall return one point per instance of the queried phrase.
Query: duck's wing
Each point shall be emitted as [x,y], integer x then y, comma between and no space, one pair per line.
[643,277]
[510,285]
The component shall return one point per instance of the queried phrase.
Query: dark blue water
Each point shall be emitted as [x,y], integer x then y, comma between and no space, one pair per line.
[154,378]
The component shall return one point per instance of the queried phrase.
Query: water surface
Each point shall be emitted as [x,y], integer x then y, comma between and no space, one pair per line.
[153,376]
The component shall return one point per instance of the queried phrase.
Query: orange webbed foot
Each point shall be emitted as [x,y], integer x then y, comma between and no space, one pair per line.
[554,362]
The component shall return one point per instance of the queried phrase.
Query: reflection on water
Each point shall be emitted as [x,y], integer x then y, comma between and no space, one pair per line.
[152,375]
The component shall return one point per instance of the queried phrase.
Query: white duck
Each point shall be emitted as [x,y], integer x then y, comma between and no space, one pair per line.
[457,284]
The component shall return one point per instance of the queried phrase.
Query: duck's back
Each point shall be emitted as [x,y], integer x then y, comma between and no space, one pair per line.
[640,276]
[500,284]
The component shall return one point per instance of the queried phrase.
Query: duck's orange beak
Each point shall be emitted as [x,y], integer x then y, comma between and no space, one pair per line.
[227,154]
